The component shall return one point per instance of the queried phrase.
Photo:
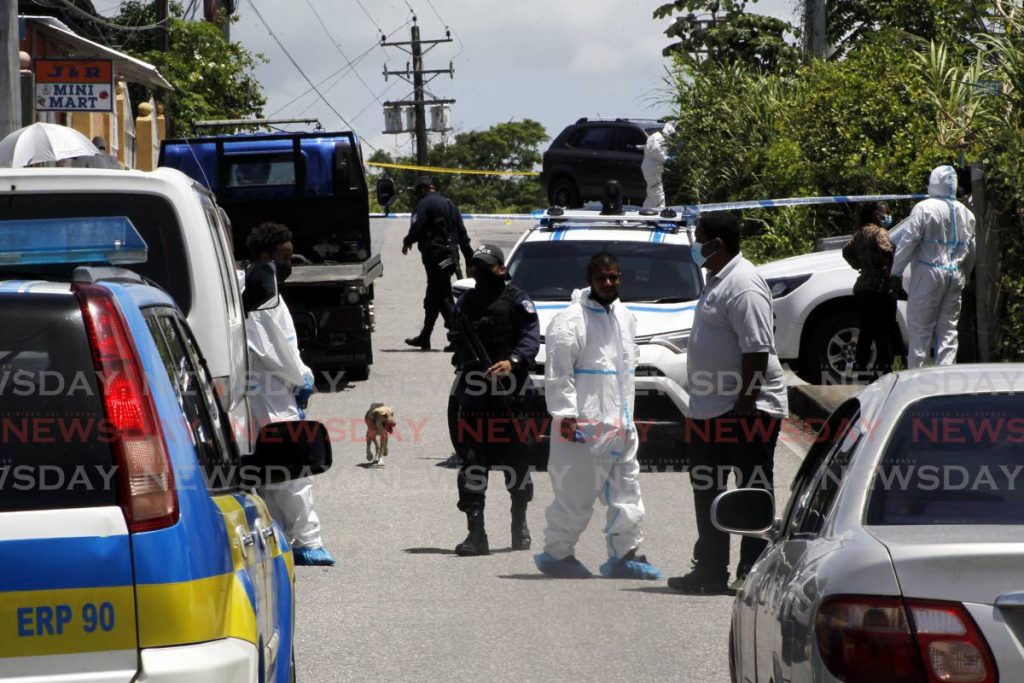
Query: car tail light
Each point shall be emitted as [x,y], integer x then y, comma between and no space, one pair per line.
[145,476]
[866,639]
[951,645]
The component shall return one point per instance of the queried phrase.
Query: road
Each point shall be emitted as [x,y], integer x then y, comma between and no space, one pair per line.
[400,606]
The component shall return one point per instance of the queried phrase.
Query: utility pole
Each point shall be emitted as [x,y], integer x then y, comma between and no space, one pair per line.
[10,66]
[164,32]
[421,123]
[815,40]
[415,76]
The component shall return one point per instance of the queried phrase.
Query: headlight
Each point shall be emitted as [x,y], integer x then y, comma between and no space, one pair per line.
[781,286]
[676,341]
[354,294]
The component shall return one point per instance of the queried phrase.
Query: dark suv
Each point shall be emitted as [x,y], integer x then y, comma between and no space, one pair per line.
[589,153]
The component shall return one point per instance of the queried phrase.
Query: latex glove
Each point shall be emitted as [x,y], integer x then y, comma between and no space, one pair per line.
[303,393]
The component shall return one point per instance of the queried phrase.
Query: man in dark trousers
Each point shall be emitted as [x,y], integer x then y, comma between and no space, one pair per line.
[496,338]
[438,229]
[737,397]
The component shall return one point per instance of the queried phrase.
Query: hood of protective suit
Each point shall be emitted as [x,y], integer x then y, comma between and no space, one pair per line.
[942,183]
[669,130]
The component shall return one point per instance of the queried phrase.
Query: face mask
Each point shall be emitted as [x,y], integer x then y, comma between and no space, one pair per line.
[283,271]
[486,279]
[887,221]
[695,251]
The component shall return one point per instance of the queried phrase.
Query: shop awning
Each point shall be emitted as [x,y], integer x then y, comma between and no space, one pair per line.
[132,69]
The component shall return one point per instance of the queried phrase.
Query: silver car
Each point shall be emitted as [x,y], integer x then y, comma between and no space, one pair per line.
[900,555]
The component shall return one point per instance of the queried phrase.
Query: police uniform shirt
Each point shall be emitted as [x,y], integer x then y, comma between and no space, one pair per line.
[424,216]
[733,317]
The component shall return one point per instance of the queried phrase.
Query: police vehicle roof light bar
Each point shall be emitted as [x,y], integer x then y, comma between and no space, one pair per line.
[105,240]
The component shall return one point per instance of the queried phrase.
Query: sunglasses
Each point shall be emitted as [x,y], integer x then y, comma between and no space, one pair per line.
[607,278]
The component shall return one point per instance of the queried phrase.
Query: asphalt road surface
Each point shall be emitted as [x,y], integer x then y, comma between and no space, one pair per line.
[401,606]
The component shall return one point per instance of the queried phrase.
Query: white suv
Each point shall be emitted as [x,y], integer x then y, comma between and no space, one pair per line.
[660,285]
[816,316]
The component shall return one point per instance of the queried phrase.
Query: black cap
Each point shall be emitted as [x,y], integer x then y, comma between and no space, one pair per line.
[423,183]
[489,254]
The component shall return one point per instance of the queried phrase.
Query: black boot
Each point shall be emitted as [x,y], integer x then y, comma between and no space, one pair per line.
[422,340]
[476,541]
[520,532]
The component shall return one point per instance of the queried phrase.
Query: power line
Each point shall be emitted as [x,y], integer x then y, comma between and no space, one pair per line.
[340,51]
[67,4]
[298,68]
[372,21]
[342,71]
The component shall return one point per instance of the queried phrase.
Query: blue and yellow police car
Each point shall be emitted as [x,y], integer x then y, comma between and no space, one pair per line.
[133,544]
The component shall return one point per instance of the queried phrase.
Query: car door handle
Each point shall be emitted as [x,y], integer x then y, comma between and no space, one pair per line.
[246,540]
[1010,601]
[264,532]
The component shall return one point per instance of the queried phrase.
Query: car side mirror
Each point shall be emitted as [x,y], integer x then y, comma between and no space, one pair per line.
[260,292]
[287,450]
[385,192]
[746,512]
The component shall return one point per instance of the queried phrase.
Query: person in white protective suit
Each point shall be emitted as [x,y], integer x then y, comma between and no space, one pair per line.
[656,154]
[938,245]
[588,381]
[280,386]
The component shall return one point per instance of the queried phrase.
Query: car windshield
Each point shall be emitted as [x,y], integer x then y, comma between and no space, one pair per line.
[953,460]
[651,272]
[152,215]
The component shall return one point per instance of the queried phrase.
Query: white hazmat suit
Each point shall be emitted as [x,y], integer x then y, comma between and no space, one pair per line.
[589,374]
[276,373]
[938,245]
[653,165]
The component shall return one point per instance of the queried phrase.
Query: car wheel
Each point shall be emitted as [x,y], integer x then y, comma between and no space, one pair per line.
[357,373]
[564,193]
[832,350]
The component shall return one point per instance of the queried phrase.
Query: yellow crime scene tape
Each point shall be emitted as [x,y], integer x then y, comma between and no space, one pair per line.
[439,169]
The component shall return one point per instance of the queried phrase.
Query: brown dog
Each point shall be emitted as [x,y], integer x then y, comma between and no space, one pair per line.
[380,422]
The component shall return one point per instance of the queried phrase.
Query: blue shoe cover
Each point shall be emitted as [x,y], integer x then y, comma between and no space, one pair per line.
[569,568]
[319,557]
[629,569]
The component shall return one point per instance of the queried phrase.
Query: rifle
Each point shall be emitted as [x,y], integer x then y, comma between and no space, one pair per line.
[470,353]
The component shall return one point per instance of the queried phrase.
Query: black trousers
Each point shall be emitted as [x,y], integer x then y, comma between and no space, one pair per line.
[438,299]
[744,446]
[876,319]
[491,441]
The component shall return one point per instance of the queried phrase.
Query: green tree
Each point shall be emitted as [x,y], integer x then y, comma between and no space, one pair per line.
[850,21]
[512,147]
[722,31]
[212,78]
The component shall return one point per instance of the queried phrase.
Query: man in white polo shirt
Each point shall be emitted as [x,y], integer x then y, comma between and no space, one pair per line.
[737,396]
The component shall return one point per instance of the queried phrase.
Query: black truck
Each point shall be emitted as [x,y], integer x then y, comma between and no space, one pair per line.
[315,184]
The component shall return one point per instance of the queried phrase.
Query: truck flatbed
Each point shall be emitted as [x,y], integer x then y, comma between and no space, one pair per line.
[362,273]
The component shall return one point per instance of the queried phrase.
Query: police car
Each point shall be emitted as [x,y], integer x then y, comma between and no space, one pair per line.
[132,544]
[660,285]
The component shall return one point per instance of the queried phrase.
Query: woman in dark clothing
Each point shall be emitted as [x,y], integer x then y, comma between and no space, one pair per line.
[870,251]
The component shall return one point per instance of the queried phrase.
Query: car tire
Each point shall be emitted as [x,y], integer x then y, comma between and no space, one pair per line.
[830,351]
[563,192]
[357,373]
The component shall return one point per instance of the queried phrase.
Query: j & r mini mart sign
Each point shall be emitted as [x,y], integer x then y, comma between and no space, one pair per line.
[74,85]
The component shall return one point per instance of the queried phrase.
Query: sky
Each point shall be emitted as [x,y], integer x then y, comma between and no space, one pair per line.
[553,61]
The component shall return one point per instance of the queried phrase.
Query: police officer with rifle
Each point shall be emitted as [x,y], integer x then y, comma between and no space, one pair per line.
[437,227]
[496,335]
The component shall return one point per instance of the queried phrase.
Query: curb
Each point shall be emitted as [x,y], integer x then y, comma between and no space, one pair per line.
[814,402]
